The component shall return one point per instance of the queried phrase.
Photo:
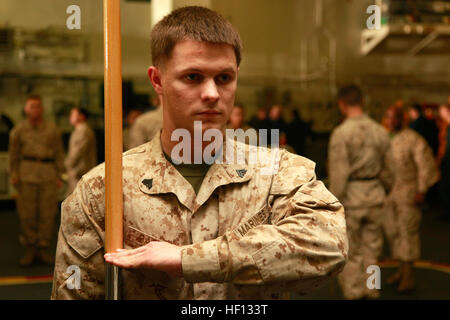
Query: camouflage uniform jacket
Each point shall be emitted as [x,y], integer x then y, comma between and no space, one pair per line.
[244,235]
[145,128]
[82,155]
[28,145]
[359,170]
[414,165]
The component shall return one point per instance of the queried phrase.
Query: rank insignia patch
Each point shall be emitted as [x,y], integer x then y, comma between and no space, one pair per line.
[148,183]
[241,172]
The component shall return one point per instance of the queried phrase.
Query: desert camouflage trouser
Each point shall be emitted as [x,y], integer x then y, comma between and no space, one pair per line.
[37,205]
[365,237]
[401,225]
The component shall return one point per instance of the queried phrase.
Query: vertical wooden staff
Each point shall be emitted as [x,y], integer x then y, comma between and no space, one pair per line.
[113,141]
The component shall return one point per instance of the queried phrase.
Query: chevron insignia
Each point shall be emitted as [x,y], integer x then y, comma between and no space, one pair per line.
[241,172]
[148,183]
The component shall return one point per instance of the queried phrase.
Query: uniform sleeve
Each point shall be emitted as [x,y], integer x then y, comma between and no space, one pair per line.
[338,165]
[137,134]
[78,148]
[80,247]
[14,153]
[59,153]
[303,242]
[425,163]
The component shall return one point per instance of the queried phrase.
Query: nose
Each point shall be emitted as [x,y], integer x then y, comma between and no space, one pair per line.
[210,92]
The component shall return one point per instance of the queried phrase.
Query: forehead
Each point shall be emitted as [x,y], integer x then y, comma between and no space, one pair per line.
[34,102]
[191,54]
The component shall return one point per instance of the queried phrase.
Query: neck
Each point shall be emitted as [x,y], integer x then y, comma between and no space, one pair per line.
[194,142]
[35,122]
[354,112]
[79,123]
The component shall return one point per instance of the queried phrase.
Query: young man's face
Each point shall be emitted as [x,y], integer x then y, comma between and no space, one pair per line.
[73,119]
[444,113]
[34,109]
[197,83]
[393,120]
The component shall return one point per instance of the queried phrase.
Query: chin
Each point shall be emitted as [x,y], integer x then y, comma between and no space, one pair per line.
[210,125]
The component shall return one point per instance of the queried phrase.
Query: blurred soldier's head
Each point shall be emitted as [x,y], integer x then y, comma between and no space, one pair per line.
[78,115]
[349,99]
[33,108]
[444,112]
[394,119]
[196,55]
[132,116]
[237,116]
[261,113]
[415,111]
[275,112]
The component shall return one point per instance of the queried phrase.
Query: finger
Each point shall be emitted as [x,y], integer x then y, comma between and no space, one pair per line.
[128,262]
[126,252]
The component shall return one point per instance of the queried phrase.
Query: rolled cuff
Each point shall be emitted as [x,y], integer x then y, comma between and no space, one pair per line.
[200,262]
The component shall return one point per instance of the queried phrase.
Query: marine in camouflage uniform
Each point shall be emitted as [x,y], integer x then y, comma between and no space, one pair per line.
[284,232]
[415,172]
[358,173]
[145,128]
[36,162]
[82,154]
[231,231]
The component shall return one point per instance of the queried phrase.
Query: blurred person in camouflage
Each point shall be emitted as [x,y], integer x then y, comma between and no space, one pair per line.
[82,154]
[415,172]
[359,175]
[36,163]
[146,125]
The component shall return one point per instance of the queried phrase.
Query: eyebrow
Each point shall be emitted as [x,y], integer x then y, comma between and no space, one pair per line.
[226,70]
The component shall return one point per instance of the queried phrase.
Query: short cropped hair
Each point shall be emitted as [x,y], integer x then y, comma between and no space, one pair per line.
[82,111]
[192,23]
[351,95]
[34,97]
[416,107]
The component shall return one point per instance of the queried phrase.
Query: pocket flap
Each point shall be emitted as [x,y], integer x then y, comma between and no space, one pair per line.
[77,229]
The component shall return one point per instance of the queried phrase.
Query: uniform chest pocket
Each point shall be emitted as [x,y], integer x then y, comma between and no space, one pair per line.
[135,238]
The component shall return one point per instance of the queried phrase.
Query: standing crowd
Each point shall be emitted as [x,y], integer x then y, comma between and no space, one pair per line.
[380,172]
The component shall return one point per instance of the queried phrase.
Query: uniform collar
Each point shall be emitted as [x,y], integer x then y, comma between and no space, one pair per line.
[81,126]
[38,127]
[159,176]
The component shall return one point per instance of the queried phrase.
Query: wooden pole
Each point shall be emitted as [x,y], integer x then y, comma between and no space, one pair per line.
[113,141]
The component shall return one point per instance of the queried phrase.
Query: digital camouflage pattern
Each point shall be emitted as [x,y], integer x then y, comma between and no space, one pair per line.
[145,127]
[358,168]
[82,155]
[359,173]
[41,142]
[37,199]
[415,172]
[245,235]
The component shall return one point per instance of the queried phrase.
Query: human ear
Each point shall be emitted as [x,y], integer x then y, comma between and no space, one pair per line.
[154,75]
